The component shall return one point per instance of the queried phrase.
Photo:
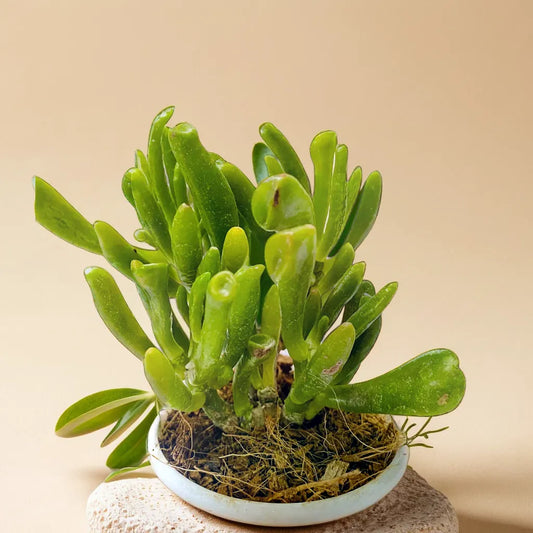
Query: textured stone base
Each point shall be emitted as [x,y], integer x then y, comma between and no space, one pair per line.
[145,505]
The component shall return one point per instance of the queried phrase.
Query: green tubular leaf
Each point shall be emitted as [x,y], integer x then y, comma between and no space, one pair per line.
[210,262]
[244,311]
[213,199]
[134,412]
[337,204]
[142,235]
[120,253]
[271,314]
[315,336]
[149,213]
[325,364]
[372,308]
[181,338]
[313,306]
[290,259]
[142,163]
[126,187]
[283,150]
[186,244]
[352,191]
[361,348]
[208,366]
[197,304]
[431,384]
[117,250]
[259,152]
[273,165]
[167,385]
[123,471]
[57,215]
[243,191]
[169,163]
[97,411]
[365,211]
[179,186]
[133,449]
[152,282]
[150,256]
[235,252]
[280,202]
[365,288]
[182,303]
[115,312]
[343,291]
[322,153]
[157,177]
[334,268]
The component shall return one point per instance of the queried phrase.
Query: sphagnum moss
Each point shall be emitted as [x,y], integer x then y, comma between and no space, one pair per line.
[249,268]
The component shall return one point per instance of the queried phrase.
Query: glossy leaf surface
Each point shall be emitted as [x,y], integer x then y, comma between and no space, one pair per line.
[290,258]
[115,312]
[286,154]
[58,216]
[213,199]
[325,364]
[167,385]
[186,244]
[280,203]
[428,385]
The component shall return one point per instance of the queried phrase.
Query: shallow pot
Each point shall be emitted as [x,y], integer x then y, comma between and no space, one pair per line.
[274,514]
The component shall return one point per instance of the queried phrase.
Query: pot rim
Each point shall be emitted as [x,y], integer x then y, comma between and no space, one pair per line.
[274,514]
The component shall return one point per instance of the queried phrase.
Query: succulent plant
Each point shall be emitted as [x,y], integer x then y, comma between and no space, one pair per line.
[251,269]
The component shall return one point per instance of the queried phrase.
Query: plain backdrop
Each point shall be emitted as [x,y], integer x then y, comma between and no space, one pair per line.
[436,95]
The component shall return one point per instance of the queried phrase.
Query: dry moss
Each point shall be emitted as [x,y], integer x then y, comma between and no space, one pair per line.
[331,455]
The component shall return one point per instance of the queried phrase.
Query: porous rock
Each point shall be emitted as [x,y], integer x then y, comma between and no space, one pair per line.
[145,505]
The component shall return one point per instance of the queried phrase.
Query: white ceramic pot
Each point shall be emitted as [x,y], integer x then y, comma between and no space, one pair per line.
[274,514]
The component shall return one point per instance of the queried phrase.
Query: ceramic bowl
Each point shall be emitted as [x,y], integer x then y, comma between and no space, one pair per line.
[274,514]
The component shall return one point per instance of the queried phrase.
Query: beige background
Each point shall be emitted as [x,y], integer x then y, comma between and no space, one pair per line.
[436,95]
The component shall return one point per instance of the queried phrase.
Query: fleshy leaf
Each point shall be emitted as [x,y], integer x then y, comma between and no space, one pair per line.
[259,152]
[186,244]
[430,384]
[235,252]
[372,308]
[323,154]
[213,199]
[364,213]
[290,258]
[280,203]
[58,216]
[283,150]
[115,313]
[167,385]
[325,364]
[157,176]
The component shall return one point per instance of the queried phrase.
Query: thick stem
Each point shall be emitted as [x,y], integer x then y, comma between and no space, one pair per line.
[219,411]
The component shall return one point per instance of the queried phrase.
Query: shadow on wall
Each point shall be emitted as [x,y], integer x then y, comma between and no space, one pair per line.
[471,524]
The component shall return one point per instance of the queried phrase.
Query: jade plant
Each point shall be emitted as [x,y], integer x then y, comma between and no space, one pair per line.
[231,273]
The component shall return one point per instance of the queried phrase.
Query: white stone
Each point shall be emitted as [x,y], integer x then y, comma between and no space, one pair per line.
[145,505]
